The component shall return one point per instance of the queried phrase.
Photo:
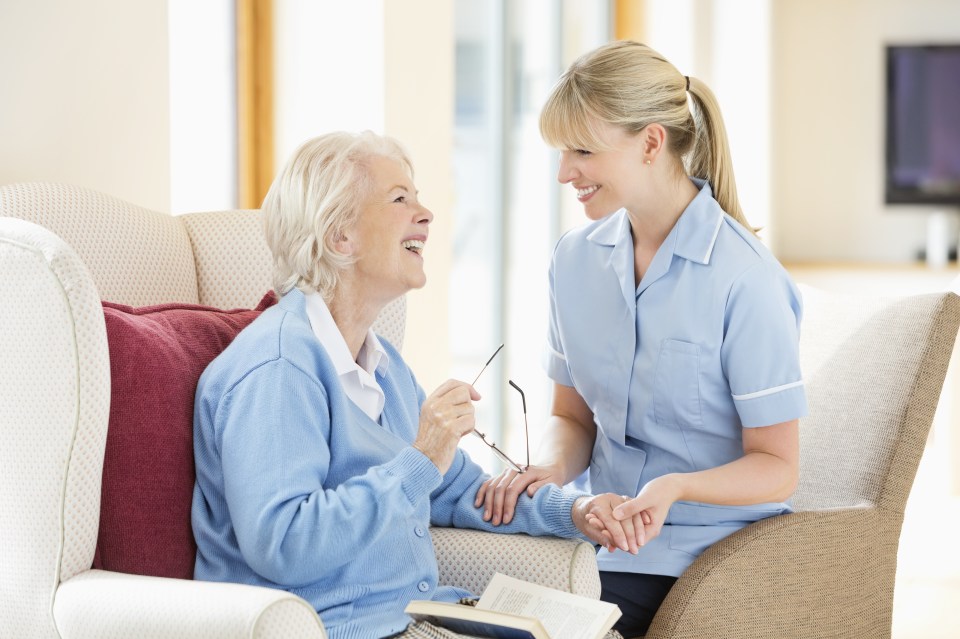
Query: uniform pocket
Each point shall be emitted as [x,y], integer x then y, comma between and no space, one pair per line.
[676,388]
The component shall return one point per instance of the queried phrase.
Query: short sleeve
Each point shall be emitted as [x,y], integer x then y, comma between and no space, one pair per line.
[553,359]
[760,354]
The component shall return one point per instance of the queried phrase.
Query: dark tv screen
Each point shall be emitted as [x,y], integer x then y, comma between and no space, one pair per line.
[923,124]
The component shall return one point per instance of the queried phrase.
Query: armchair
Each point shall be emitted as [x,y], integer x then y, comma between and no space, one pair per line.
[62,250]
[874,370]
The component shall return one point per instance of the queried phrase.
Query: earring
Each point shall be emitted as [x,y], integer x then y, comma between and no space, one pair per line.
[646,162]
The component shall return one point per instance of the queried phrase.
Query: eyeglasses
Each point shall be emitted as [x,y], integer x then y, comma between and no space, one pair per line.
[499,453]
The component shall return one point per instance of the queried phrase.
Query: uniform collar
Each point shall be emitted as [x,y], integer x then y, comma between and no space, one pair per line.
[692,237]
[698,226]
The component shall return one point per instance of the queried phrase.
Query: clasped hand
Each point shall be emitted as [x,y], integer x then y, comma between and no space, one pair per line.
[623,522]
[617,522]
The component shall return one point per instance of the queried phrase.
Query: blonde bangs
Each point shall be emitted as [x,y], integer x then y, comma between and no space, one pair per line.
[567,120]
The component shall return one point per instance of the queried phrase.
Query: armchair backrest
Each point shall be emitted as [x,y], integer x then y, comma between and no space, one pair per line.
[873,370]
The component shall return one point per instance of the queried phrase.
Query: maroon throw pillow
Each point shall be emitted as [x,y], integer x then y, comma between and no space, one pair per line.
[157,354]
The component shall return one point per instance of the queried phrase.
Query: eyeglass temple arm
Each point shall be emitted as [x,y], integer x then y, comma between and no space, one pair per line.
[499,348]
[526,426]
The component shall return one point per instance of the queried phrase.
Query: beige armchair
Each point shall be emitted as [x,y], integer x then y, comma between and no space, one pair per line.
[62,250]
[874,370]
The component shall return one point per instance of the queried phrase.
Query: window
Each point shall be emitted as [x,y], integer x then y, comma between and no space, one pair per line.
[509,208]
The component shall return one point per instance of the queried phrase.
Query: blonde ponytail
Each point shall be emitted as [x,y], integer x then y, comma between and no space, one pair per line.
[710,156]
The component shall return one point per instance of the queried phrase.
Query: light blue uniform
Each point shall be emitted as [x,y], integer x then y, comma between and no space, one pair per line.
[674,368]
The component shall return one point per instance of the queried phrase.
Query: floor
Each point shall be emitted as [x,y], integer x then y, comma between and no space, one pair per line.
[926,599]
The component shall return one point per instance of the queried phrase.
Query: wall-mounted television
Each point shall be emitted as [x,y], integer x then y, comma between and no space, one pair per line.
[923,124]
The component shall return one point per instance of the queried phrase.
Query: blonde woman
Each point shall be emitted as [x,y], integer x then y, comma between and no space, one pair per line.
[673,334]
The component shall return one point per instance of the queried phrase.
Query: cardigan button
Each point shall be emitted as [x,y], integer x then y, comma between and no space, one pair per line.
[423,586]
[419,531]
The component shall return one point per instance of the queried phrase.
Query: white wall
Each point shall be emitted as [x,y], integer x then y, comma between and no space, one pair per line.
[418,53]
[203,105]
[85,96]
[828,79]
[329,68]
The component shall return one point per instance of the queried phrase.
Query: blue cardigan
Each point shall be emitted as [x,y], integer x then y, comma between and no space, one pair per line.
[298,489]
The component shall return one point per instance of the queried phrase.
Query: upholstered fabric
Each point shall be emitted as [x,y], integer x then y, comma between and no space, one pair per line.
[54,397]
[157,354]
[469,559]
[232,258]
[391,322]
[874,369]
[106,605]
[126,248]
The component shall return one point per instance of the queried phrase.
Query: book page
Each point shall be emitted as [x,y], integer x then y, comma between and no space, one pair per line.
[564,615]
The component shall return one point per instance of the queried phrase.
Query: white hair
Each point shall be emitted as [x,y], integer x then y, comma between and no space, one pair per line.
[314,199]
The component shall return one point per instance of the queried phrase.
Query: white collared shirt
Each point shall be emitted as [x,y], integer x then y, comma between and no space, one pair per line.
[357,377]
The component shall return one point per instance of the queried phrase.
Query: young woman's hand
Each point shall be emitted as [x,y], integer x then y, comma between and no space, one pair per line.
[652,503]
[445,417]
[593,516]
[499,494]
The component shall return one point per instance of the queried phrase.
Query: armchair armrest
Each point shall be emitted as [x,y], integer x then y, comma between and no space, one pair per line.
[469,558]
[796,575]
[102,604]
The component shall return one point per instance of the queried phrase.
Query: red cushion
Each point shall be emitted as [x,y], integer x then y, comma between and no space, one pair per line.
[157,354]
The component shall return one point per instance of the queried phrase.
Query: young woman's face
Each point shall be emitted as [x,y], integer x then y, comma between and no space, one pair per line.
[606,181]
[389,235]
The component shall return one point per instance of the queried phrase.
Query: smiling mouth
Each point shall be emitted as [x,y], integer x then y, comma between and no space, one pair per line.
[414,246]
[586,192]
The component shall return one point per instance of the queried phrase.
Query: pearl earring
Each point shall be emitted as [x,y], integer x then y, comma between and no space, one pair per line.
[646,161]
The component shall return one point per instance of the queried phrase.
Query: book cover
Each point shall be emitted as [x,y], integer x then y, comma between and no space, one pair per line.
[513,608]
[468,620]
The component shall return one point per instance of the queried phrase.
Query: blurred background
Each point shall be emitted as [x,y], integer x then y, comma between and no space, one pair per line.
[182,106]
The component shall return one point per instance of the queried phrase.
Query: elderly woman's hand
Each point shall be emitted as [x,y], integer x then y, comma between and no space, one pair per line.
[499,494]
[445,417]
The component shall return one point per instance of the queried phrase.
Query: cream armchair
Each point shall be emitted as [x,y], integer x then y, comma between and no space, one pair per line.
[62,250]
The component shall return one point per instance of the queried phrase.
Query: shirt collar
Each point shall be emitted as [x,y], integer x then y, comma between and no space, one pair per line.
[699,225]
[372,357]
[693,236]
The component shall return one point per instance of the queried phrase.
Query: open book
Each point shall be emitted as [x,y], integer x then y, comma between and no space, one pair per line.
[515,609]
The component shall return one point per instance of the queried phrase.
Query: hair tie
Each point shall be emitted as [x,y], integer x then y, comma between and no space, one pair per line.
[688,82]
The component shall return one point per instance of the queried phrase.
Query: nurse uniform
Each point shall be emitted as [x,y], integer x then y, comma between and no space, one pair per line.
[676,366]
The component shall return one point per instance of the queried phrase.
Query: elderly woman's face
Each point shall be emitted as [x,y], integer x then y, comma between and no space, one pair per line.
[388,238]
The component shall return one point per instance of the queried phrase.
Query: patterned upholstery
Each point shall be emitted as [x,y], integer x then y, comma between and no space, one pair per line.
[62,250]
[106,605]
[520,556]
[125,248]
[232,259]
[54,400]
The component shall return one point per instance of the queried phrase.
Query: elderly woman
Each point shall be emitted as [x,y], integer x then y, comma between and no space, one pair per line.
[320,461]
